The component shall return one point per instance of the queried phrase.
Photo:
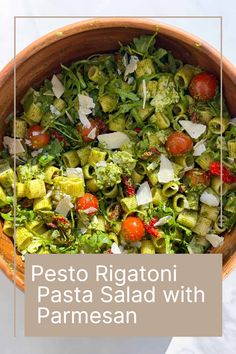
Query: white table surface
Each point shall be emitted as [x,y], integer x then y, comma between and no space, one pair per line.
[27,31]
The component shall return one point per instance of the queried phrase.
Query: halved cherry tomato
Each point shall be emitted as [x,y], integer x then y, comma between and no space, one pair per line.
[86,202]
[85,132]
[102,128]
[178,143]
[38,138]
[132,229]
[196,176]
[203,86]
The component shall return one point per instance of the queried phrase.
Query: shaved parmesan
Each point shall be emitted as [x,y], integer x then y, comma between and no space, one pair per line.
[54,110]
[12,144]
[163,220]
[101,164]
[92,134]
[130,80]
[75,172]
[215,240]
[90,210]
[144,88]
[36,152]
[69,117]
[199,148]
[125,59]
[57,87]
[86,102]
[137,244]
[193,129]
[83,230]
[28,142]
[132,66]
[166,172]
[113,140]
[144,194]
[115,249]
[233,121]
[85,107]
[49,194]
[209,199]
[84,120]
[64,206]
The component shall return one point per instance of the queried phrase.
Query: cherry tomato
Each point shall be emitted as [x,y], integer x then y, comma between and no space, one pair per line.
[86,202]
[132,229]
[57,136]
[203,86]
[178,143]
[102,128]
[197,176]
[85,132]
[38,138]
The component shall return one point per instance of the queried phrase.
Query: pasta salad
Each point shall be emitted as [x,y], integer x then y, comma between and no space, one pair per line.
[120,153]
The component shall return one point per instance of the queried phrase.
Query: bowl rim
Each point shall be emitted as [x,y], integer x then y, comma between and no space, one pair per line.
[96,23]
[108,22]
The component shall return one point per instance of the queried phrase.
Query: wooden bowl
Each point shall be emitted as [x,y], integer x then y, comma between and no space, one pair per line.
[43,58]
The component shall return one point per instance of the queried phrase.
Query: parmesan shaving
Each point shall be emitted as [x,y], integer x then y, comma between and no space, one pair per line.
[144,88]
[137,244]
[28,142]
[90,210]
[193,129]
[64,206]
[12,144]
[115,249]
[113,140]
[75,172]
[232,121]
[84,120]
[166,172]
[36,152]
[101,164]
[144,194]
[215,240]
[92,134]
[57,87]
[54,110]
[70,118]
[130,80]
[49,194]
[199,148]
[163,220]
[131,66]
[125,59]
[209,199]
[83,230]
[86,105]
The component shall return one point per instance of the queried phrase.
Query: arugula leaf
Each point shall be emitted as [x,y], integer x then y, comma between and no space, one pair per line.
[126,107]
[124,95]
[22,216]
[144,43]
[55,148]
[94,243]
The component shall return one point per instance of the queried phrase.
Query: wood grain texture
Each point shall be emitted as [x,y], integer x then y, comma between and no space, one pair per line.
[43,58]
